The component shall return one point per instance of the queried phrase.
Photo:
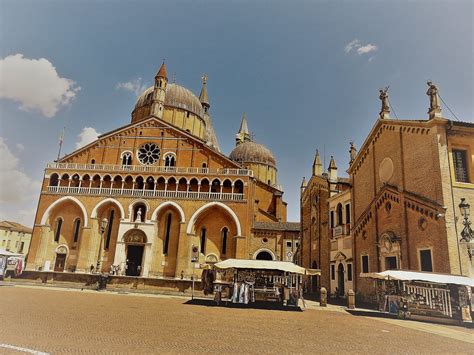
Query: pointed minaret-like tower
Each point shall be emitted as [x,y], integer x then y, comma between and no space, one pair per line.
[304,184]
[317,165]
[210,134]
[159,92]
[243,135]
[332,169]
[203,95]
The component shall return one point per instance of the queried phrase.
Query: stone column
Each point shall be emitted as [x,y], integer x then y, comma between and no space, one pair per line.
[42,248]
[183,256]
[85,247]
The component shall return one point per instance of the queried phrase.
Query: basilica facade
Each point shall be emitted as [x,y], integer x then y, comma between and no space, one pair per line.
[156,197]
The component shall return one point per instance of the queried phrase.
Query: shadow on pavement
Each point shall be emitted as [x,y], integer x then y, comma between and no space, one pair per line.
[255,305]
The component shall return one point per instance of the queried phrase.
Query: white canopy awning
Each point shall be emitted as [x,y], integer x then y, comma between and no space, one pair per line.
[265,265]
[404,275]
[9,253]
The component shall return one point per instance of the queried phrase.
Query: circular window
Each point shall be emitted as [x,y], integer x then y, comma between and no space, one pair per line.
[265,240]
[148,154]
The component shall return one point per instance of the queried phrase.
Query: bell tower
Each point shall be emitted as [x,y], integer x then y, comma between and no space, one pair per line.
[159,92]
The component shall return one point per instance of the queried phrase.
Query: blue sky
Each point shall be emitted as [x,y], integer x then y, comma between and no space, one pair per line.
[286,64]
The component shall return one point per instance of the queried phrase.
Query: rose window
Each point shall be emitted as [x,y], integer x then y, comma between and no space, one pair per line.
[148,154]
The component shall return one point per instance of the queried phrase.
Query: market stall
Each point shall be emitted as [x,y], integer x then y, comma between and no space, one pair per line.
[424,294]
[11,264]
[248,281]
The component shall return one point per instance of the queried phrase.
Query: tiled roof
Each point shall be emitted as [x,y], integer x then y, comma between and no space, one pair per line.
[15,227]
[283,226]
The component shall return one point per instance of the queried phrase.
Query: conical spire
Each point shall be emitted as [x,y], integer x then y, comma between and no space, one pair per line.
[317,165]
[304,183]
[162,72]
[332,169]
[243,125]
[203,97]
[243,135]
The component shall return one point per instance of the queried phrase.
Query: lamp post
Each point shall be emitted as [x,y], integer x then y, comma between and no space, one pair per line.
[103,226]
[467,234]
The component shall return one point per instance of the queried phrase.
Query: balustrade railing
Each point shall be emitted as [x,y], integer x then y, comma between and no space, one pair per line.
[149,169]
[227,196]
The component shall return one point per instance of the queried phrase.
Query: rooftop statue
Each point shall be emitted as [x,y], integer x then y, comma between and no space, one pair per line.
[384,112]
[433,94]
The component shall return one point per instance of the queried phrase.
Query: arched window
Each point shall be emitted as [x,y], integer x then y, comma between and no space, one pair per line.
[77,226]
[339,214]
[203,241]
[239,187]
[109,229]
[170,159]
[224,233]
[215,186]
[75,180]
[126,158]
[204,165]
[93,161]
[167,235]
[54,180]
[57,230]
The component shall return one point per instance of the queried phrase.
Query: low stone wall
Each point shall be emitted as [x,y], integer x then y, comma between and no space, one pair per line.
[82,280]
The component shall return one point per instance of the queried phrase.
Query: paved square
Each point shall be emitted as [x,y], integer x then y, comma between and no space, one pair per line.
[63,321]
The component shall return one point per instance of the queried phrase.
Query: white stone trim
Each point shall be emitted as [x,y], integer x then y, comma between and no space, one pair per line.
[166,204]
[189,229]
[59,201]
[112,200]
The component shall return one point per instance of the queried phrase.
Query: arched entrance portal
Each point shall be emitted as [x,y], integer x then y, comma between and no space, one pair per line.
[134,246]
[264,255]
[340,279]
[60,262]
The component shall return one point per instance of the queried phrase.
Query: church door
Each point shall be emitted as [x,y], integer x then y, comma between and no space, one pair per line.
[134,260]
[340,279]
[60,262]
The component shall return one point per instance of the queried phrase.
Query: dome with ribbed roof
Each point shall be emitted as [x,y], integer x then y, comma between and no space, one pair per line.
[176,96]
[251,152]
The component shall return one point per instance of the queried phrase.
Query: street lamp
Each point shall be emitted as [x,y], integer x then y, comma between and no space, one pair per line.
[103,226]
[467,234]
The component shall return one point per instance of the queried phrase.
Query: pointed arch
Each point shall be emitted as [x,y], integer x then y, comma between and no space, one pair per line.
[107,200]
[154,216]
[229,210]
[61,200]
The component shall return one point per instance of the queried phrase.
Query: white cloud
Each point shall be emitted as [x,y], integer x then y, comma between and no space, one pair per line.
[366,49]
[88,135]
[15,185]
[35,84]
[357,47]
[136,86]
[20,147]
[353,44]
